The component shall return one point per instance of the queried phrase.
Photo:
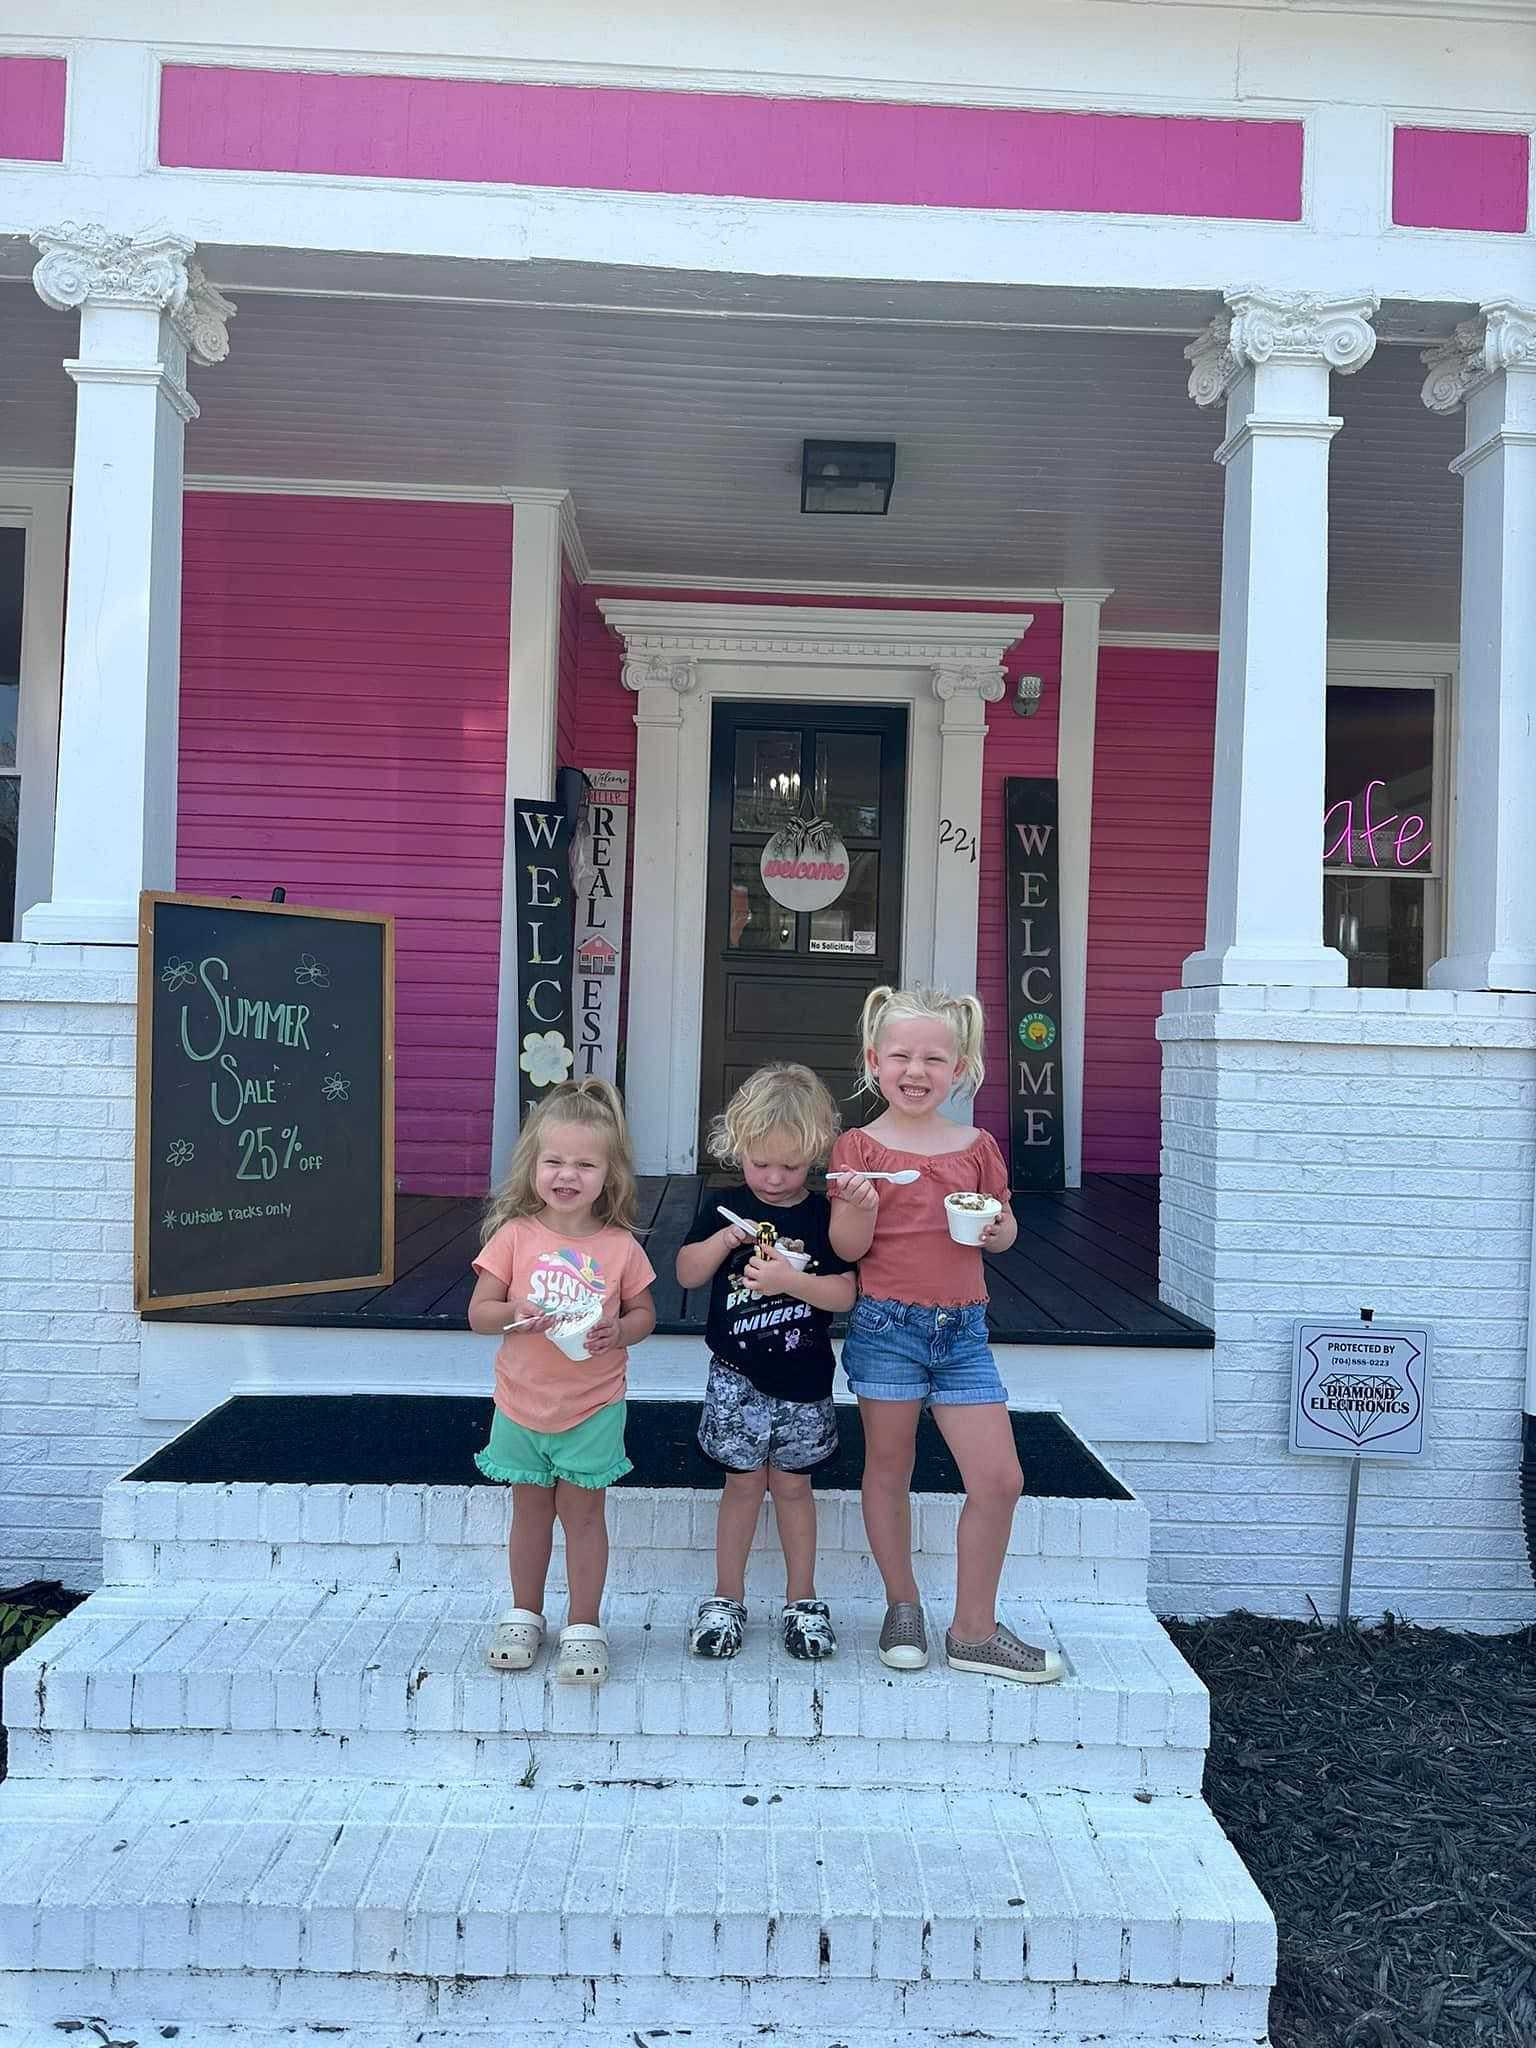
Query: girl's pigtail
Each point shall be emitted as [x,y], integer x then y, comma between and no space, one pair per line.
[875,1004]
[970,1025]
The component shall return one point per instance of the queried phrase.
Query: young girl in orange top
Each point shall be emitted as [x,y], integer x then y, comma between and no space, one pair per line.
[918,1332]
[567,1289]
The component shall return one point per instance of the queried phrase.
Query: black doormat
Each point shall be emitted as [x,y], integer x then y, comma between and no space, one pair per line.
[431,1440]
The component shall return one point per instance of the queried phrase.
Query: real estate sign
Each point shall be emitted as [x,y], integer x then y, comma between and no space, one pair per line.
[600,866]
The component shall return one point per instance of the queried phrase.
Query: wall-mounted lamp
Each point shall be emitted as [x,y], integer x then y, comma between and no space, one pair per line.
[847,476]
[1026,695]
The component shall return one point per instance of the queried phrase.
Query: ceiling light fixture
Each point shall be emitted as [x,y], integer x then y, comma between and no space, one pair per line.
[847,476]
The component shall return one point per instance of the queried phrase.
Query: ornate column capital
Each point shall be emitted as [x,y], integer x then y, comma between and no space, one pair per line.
[968,681]
[1502,337]
[1280,327]
[649,670]
[82,263]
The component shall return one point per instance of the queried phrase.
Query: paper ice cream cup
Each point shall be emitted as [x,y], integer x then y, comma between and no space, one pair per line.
[570,1334]
[799,1260]
[966,1220]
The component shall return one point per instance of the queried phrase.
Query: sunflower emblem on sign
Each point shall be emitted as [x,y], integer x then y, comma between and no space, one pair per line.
[178,973]
[546,1058]
[1037,1032]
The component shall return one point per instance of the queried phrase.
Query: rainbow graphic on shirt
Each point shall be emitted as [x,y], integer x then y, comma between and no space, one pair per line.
[564,1280]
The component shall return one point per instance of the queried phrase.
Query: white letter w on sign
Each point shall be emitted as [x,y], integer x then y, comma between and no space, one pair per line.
[1034,838]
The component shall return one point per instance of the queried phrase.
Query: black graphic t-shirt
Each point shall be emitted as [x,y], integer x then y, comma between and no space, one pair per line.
[781,1344]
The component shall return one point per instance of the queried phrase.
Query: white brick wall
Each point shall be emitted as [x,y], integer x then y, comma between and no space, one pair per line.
[69,1339]
[1323,1150]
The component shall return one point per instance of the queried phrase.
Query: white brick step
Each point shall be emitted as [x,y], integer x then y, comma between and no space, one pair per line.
[635,1904]
[391,1682]
[599,2034]
[662,1539]
[595,2034]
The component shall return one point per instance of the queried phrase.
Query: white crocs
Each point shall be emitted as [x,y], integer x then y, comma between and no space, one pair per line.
[583,1655]
[516,1639]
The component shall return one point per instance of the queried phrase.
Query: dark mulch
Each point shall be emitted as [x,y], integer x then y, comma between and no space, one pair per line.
[1381,1786]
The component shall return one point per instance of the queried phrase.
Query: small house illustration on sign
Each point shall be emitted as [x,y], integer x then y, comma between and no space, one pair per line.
[595,956]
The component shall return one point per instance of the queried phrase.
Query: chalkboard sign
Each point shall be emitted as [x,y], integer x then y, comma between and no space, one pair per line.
[265,1128]
[1037,1161]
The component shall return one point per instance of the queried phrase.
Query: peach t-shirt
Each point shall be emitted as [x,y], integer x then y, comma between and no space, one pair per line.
[913,1257]
[536,1384]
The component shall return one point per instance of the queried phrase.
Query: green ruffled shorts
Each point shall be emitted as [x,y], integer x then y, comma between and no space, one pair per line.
[590,1455]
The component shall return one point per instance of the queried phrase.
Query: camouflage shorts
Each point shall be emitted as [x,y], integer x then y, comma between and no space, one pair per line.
[744,1429]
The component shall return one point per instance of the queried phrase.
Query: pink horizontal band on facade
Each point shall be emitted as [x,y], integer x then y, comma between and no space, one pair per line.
[32,109]
[728,145]
[1469,178]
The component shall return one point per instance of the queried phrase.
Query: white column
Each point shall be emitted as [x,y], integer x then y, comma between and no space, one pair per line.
[533,684]
[1269,357]
[1075,729]
[1490,367]
[144,306]
[661,683]
[964,690]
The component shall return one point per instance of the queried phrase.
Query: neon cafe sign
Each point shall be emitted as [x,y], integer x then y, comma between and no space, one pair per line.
[1364,840]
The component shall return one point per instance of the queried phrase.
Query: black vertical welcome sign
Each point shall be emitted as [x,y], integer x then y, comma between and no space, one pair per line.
[1033,874]
[545,936]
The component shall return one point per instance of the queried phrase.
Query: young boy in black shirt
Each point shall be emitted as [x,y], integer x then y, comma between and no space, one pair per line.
[775,1284]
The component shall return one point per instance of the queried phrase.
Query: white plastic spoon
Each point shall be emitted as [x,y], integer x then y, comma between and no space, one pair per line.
[903,1179]
[740,1222]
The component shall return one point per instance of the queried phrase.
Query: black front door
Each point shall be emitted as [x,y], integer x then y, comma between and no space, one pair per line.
[806,802]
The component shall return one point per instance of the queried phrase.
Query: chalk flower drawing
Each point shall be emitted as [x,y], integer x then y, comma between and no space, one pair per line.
[180,1152]
[546,1058]
[336,1088]
[178,973]
[310,974]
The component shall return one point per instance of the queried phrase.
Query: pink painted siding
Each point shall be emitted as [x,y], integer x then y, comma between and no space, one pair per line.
[32,109]
[1461,178]
[1015,746]
[728,145]
[1146,897]
[343,733]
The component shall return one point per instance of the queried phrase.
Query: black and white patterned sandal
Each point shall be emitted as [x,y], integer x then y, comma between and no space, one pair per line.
[808,1632]
[719,1627]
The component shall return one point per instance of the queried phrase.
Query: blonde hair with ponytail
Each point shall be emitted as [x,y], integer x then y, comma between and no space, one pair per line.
[596,1105]
[884,1007]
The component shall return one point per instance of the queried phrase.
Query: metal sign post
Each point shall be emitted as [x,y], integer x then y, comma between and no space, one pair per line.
[1358,1392]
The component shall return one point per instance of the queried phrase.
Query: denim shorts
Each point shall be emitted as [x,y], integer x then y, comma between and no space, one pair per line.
[903,1351]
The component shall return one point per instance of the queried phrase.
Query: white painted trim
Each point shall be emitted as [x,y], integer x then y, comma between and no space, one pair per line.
[533,681]
[41,510]
[1116,1394]
[842,586]
[679,659]
[756,83]
[834,635]
[1076,716]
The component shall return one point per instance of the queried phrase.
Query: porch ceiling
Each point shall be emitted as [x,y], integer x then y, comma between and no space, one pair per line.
[1042,440]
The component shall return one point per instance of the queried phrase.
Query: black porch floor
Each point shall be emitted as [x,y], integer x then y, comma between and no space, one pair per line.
[1084,1271]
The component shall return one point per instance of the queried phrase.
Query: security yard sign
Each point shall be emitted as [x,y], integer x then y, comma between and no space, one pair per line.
[1357,1389]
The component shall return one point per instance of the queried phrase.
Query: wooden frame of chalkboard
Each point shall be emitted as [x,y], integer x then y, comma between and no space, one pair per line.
[260,1025]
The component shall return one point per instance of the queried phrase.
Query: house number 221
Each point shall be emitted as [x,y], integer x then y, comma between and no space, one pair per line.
[959,839]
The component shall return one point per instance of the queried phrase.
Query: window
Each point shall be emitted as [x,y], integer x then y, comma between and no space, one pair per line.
[13,543]
[1383,809]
